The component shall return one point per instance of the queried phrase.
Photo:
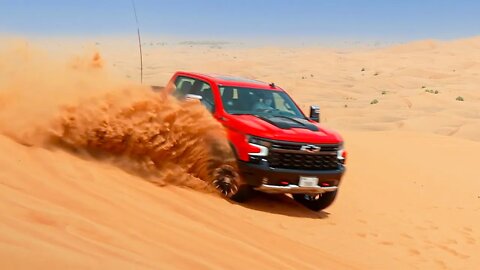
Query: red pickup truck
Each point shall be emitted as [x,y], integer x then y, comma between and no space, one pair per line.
[278,148]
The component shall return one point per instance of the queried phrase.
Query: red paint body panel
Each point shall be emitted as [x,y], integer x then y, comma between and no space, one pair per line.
[239,126]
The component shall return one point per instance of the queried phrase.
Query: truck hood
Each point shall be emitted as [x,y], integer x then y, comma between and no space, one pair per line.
[283,129]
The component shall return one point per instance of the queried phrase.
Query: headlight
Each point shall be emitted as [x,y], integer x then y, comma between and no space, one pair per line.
[258,147]
[341,154]
[254,140]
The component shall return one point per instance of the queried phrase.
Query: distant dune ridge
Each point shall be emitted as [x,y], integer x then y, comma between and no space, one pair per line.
[343,81]
[78,135]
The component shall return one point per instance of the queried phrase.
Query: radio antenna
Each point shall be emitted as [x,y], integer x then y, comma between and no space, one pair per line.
[139,42]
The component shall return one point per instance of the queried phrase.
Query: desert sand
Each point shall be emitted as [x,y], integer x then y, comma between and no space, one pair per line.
[410,198]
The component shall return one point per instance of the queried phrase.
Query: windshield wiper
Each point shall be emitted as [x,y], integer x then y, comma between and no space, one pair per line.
[289,117]
[245,114]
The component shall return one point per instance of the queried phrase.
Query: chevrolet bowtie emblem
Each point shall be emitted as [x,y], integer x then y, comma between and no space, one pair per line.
[310,148]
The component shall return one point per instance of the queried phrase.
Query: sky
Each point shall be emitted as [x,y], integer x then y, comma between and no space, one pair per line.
[387,20]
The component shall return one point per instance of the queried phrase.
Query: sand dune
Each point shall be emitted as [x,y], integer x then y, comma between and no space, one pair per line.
[396,210]
[410,198]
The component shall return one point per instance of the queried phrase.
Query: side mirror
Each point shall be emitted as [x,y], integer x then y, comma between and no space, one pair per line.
[193,97]
[315,113]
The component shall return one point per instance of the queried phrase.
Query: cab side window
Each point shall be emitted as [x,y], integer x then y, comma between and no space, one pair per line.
[186,85]
[183,86]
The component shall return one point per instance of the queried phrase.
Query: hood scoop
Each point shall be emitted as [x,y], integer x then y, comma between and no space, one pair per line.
[284,122]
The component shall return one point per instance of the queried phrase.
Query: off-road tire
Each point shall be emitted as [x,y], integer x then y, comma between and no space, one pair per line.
[316,202]
[228,183]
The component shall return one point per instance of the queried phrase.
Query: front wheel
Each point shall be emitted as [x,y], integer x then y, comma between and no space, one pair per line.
[316,202]
[227,182]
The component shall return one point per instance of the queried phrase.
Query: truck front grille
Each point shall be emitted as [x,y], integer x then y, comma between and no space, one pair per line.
[296,146]
[302,161]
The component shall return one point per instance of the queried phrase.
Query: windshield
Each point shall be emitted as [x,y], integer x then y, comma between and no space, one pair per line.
[238,100]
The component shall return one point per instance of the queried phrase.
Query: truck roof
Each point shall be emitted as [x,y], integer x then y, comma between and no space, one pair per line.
[226,80]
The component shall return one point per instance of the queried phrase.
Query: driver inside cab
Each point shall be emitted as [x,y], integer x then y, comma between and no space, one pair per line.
[263,102]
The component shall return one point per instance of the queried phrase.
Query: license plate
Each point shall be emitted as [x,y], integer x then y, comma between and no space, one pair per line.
[308,181]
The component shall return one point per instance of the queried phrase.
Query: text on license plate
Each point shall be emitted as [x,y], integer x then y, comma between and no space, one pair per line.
[306,181]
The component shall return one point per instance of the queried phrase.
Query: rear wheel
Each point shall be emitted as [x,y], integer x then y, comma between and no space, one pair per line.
[227,182]
[316,202]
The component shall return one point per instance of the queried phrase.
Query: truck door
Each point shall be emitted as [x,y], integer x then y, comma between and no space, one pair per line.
[187,85]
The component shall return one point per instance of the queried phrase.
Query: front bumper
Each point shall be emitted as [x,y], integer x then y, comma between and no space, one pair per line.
[295,189]
[274,180]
